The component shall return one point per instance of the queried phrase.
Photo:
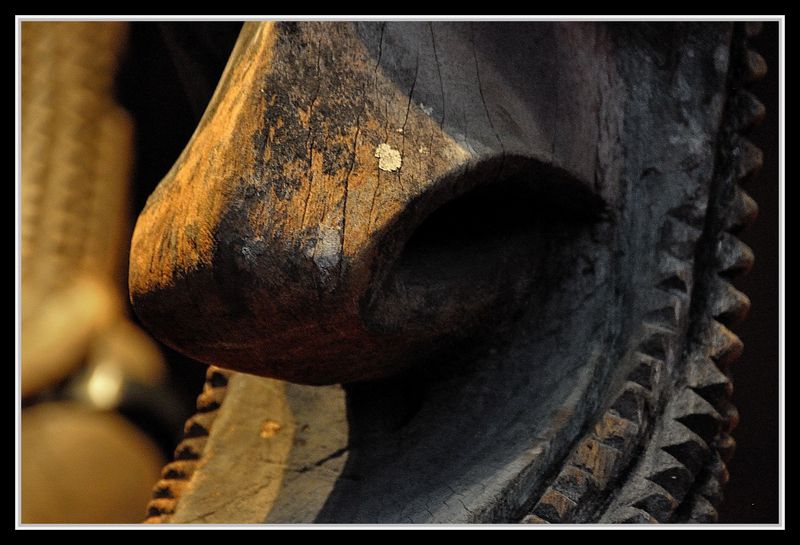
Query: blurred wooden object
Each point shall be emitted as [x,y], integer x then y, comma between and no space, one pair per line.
[77,148]
[84,466]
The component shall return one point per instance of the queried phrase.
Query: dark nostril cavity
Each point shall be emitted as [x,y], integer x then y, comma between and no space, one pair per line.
[471,232]
[475,257]
[490,226]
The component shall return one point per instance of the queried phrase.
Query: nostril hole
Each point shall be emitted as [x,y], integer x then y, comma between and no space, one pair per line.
[470,234]
[490,228]
[475,257]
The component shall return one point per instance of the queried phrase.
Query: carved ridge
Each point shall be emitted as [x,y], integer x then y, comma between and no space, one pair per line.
[709,422]
[691,443]
[176,475]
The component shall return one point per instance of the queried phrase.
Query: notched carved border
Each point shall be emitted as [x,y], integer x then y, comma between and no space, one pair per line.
[176,475]
[681,473]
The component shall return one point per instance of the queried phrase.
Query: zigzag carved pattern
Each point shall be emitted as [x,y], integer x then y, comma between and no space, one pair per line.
[603,455]
[685,460]
[176,475]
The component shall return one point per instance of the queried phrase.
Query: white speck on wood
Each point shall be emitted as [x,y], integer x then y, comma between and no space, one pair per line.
[389,159]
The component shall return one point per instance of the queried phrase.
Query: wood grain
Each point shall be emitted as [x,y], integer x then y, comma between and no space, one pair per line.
[275,244]
[570,369]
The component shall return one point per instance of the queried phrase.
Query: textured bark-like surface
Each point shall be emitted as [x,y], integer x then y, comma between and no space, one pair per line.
[323,149]
[679,474]
[515,271]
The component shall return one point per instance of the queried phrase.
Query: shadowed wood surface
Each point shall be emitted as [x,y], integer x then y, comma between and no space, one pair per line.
[544,286]
[282,218]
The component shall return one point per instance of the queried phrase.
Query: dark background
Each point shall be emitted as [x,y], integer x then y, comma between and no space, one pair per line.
[170,74]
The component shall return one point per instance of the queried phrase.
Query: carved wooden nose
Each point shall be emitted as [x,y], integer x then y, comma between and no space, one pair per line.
[297,236]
